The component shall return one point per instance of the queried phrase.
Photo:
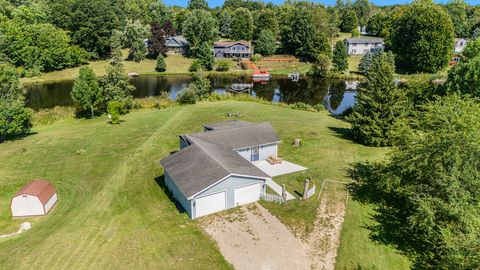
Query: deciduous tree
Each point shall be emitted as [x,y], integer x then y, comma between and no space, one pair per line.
[266,43]
[86,92]
[427,191]
[199,27]
[423,38]
[242,25]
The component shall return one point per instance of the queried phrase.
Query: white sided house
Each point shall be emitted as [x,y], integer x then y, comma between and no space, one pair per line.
[460,44]
[34,199]
[213,170]
[362,45]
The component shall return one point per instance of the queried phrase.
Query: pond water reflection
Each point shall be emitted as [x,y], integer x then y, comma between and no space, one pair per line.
[336,95]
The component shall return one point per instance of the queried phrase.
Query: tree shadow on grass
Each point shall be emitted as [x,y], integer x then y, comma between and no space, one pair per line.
[17,137]
[369,188]
[161,183]
[343,133]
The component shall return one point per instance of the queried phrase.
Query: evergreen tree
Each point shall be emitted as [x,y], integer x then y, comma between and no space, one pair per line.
[266,43]
[86,91]
[367,59]
[242,25]
[116,57]
[340,56]
[205,56]
[379,105]
[161,65]
[226,23]
[423,38]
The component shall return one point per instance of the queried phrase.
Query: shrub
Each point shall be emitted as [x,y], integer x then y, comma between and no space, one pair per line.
[301,106]
[255,57]
[244,65]
[114,109]
[318,107]
[161,65]
[223,65]
[187,96]
[195,66]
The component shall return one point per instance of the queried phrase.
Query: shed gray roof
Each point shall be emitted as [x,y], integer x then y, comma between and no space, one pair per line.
[238,137]
[358,40]
[202,164]
[228,124]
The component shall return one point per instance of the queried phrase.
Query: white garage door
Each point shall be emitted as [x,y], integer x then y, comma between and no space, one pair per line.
[248,194]
[210,204]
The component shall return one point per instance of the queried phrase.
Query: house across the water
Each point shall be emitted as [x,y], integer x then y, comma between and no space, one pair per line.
[176,44]
[362,45]
[224,166]
[460,44]
[230,49]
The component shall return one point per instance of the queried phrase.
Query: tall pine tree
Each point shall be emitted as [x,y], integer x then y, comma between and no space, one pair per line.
[379,105]
[340,57]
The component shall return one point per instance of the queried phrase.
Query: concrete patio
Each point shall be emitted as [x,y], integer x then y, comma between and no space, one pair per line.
[278,169]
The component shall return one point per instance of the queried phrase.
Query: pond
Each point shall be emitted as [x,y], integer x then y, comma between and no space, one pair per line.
[336,95]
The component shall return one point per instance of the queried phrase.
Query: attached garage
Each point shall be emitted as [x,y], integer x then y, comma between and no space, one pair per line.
[35,199]
[206,178]
[247,194]
[210,204]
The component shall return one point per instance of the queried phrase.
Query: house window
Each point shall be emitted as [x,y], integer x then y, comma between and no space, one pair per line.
[255,153]
[354,51]
[354,45]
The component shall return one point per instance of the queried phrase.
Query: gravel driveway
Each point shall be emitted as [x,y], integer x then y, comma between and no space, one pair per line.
[251,238]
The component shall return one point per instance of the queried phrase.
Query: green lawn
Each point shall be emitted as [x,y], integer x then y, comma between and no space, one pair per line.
[113,214]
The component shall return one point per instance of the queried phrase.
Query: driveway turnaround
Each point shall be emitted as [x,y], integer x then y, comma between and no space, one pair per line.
[251,238]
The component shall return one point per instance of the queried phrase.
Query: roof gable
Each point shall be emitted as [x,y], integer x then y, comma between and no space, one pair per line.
[42,189]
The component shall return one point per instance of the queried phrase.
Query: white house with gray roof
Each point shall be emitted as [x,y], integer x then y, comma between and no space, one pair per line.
[215,170]
[362,45]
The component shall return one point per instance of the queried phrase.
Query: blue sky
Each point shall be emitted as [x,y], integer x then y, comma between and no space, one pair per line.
[214,3]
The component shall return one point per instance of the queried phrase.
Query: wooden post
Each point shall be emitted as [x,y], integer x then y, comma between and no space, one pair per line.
[305,189]
[284,193]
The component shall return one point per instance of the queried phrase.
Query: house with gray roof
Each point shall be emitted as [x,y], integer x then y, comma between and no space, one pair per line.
[362,45]
[176,44]
[218,168]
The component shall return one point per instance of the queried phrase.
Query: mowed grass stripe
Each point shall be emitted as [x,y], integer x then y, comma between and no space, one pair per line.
[98,208]
[138,156]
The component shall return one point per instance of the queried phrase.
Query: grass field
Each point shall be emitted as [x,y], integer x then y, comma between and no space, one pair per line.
[113,214]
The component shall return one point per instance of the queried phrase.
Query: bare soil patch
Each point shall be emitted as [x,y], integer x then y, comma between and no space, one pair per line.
[325,238]
[252,238]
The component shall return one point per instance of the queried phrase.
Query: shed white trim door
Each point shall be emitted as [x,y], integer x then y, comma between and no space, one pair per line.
[247,194]
[210,204]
